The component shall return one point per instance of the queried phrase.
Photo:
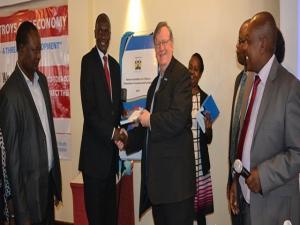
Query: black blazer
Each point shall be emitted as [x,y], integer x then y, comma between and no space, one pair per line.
[101,114]
[168,162]
[235,219]
[230,161]
[25,142]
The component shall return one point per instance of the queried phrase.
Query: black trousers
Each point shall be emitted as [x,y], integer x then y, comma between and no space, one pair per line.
[49,219]
[100,199]
[245,212]
[178,213]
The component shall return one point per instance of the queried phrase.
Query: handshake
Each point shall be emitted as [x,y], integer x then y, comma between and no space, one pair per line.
[120,138]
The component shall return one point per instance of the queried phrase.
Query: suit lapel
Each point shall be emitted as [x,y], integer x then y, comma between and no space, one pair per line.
[151,93]
[267,95]
[113,80]
[46,99]
[23,86]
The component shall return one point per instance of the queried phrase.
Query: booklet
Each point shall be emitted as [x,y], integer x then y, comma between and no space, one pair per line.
[209,105]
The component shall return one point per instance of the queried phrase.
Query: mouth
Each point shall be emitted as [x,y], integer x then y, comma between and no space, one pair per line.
[103,43]
[162,54]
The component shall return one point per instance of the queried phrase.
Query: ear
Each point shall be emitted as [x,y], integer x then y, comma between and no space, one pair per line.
[21,48]
[263,45]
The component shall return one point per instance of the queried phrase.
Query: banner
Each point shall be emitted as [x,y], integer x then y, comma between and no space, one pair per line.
[52,24]
[138,68]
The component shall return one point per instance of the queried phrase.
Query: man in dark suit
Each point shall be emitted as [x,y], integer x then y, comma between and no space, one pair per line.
[241,92]
[28,130]
[270,146]
[101,103]
[164,134]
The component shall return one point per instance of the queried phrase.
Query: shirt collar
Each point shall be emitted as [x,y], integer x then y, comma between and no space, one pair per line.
[264,72]
[101,54]
[28,81]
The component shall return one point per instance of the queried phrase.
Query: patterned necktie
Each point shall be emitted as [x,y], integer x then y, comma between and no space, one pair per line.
[107,74]
[236,118]
[247,118]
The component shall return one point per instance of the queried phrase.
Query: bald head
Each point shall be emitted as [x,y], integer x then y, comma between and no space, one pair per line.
[261,41]
[102,18]
[102,32]
[264,25]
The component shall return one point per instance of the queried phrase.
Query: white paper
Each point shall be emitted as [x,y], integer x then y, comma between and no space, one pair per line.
[200,119]
[133,117]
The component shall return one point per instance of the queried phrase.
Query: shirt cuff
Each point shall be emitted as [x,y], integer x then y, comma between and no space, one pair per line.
[112,136]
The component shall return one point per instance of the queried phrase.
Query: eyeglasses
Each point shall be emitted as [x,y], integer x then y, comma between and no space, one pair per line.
[161,43]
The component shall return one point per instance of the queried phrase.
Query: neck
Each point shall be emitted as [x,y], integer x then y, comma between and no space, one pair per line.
[195,90]
[29,74]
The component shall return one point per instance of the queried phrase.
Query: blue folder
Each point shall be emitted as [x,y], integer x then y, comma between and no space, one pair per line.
[210,106]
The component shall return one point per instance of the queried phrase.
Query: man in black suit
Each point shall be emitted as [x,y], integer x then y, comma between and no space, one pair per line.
[238,97]
[101,103]
[164,134]
[28,130]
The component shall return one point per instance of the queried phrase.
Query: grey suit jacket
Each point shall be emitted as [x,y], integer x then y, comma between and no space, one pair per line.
[25,141]
[276,150]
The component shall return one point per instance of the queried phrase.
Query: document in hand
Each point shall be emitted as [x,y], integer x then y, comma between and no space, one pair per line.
[210,106]
[133,117]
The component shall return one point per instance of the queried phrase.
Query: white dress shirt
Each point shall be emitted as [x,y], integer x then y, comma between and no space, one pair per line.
[40,105]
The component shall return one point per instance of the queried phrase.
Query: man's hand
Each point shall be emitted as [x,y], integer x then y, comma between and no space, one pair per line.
[144,118]
[253,181]
[120,134]
[233,198]
[121,138]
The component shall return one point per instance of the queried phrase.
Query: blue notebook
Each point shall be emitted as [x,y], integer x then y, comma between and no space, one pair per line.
[210,105]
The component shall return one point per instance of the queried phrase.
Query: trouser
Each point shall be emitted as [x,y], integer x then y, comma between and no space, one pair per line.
[177,213]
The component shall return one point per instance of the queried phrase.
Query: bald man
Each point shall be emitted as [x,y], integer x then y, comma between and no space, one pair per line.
[271,146]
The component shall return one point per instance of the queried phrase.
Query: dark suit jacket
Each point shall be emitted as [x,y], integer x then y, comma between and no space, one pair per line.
[101,114]
[25,141]
[230,161]
[235,219]
[168,163]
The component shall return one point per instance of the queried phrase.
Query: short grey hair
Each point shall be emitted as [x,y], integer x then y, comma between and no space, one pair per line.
[158,28]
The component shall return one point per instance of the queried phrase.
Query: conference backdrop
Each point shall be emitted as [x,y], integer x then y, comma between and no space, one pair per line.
[52,23]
